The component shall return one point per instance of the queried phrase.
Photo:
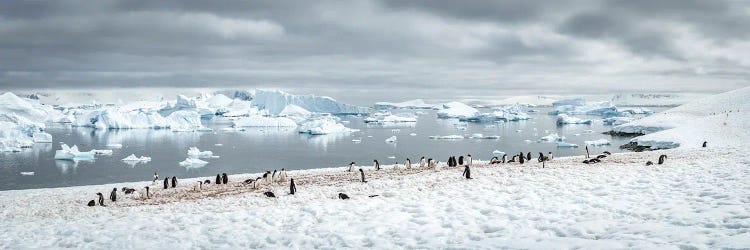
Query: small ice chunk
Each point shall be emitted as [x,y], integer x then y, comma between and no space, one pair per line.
[600,142]
[498,153]
[356,140]
[114,145]
[446,137]
[391,157]
[566,145]
[27,173]
[194,152]
[392,139]
[193,163]
[102,151]
[413,134]
[133,158]
[218,144]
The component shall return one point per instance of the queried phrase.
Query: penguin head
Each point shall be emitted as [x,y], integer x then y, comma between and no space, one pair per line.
[114,189]
[99,194]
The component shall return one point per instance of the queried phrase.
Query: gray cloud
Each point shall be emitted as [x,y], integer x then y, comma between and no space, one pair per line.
[396,49]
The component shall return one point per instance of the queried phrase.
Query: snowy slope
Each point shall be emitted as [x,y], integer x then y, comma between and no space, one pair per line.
[653,100]
[275,101]
[720,119]
[695,201]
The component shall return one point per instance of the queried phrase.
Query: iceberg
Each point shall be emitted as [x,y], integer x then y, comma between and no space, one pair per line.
[194,152]
[481,136]
[114,145]
[566,145]
[27,173]
[498,153]
[193,163]
[323,125]
[72,153]
[600,142]
[554,137]
[133,158]
[457,110]
[619,120]
[581,107]
[400,118]
[506,113]
[563,119]
[413,104]
[264,121]
[294,111]
[41,137]
[275,101]
[184,103]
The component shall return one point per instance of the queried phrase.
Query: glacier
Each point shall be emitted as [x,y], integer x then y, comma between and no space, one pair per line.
[275,101]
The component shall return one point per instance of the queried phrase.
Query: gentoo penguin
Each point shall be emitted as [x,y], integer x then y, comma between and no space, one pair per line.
[91,203]
[166,182]
[156,177]
[541,157]
[505,158]
[468,160]
[587,152]
[256,184]
[248,181]
[174,181]
[376,165]
[521,158]
[343,196]
[127,190]
[649,163]
[268,177]
[461,160]
[224,178]
[218,179]
[282,175]
[705,144]
[662,158]
[113,195]
[101,199]
[422,162]
[351,165]
[528,156]
[467,172]
[292,187]
[407,164]
[148,196]
[362,173]
[200,185]
[269,194]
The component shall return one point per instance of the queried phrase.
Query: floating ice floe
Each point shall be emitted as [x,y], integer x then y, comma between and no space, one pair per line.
[552,138]
[600,142]
[323,125]
[114,145]
[446,137]
[194,152]
[101,151]
[133,158]
[457,110]
[498,153]
[566,145]
[506,113]
[391,157]
[72,153]
[481,136]
[357,140]
[563,119]
[401,118]
[193,163]
[27,173]
[413,134]
[218,144]
[392,139]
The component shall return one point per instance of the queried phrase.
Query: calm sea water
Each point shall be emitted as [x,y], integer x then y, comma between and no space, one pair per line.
[258,150]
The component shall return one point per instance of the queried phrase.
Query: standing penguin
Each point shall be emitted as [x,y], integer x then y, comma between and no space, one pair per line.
[461,160]
[549,156]
[224,178]
[174,181]
[408,164]
[422,162]
[362,173]
[705,144]
[256,184]
[521,159]
[147,194]
[268,177]
[166,182]
[292,187]
[468,160]
[528,156]
[662,158]
[351,165]
[587,152]
[113,195]
[101,199]
[376,165]
[200,185]
[541,157]
[505,158]
[274,177]
[156,177]
[218,179]
[467,172]
[282,175]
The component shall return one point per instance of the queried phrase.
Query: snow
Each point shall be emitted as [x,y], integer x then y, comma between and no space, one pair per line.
[457,110]
[275,101]
[600,142]
[22,122]
[194,152]
[292,110]
[563,119]
[412,104]
[694,201]
[718,119]
[653,99]
[581,107]
[135,159]
[218,101]
[264,121]
[72,153]
[446,137]
[193,163]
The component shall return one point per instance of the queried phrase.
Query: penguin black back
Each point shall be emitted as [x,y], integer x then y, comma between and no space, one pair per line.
[362,172]
[113,195]
[101,199]
[528,156]
[461,160]
[224,178]
[174,181]
[662,158]
[705,144]
[218,179]
[166,182]
[292,187]
[343,196]
[269,194]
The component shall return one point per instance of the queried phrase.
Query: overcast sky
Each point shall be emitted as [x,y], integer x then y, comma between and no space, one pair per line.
[393,49]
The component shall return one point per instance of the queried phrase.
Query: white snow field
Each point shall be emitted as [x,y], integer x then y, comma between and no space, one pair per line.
[697,199]
[721,119]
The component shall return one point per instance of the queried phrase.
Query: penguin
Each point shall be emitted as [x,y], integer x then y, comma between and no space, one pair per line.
[351,165]
[468,160]
[362,173]
[127,190]
[467,172]
[91,203]
[207,182]
[549,156]
[512,159]
[430,163]
[343,196]
[422,162]
[494,160]
[521,159]
[601,156]
[587,152]
[224,178]
[274,177]
[606,153]
[166,182]
[649,163]
[218,179]
[292,187]
[586,161]
[461,160]
[101,199]
[147,194]
[376,165]
[662,158]
[528,156]
[200,185]
[156,177]
[113,195]
[407,164]
[541,157]
[248,181]
[269,194]
[453,162]
[505,158]
[256,184]
[265,175]
[705,144]
[174,181]
[268,177]
[282,175]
